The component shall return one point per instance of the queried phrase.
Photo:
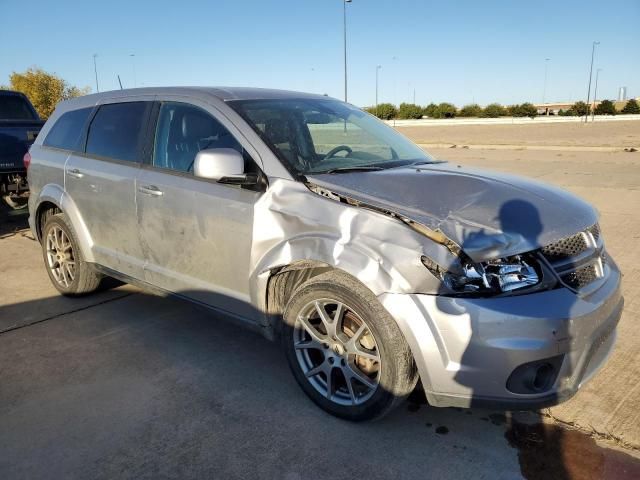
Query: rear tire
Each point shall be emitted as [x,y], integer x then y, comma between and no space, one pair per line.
[64,262]
[345,350]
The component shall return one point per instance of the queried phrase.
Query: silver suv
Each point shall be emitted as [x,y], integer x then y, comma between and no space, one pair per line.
[373,264]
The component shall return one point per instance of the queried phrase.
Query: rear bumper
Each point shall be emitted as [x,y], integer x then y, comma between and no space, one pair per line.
[467,349]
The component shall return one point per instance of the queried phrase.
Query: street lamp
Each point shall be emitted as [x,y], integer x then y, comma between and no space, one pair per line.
[378,67]
[593,51]
[133,61]
[344,20]
[544,88]
[95,70]
[395,74]
[595,95]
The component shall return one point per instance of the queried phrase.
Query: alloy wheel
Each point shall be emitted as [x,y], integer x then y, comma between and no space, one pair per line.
[337,352]
[60,257]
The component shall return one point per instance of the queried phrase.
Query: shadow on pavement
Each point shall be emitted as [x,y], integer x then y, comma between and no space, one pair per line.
[12,221]
[145,386]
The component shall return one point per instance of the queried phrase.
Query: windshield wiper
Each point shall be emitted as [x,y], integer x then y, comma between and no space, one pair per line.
[355,168]
[425,162]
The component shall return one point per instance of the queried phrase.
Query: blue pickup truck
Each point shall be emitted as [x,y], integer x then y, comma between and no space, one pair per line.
[19,127]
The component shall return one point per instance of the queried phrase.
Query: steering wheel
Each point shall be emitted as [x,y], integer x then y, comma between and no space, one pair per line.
[337,149]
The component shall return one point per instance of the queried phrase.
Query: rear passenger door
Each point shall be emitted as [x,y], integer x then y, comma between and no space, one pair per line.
[101,183]
[196,233]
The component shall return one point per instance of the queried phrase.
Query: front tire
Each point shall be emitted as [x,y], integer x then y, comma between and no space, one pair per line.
[66,267]
[344,349]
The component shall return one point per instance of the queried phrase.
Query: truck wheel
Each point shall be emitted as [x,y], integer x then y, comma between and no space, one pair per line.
[344,349]
[68,271]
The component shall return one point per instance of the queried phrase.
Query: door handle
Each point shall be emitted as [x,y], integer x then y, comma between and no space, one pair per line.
[74,172]
[150,190]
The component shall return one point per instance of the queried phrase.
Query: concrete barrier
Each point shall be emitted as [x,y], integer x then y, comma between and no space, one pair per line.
[506,120]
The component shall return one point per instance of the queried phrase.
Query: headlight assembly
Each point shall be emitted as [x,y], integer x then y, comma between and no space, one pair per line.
[493,277]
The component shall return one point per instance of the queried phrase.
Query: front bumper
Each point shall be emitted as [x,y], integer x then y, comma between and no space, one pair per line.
[466,349]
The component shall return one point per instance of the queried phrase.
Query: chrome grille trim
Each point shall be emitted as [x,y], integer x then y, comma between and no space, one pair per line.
[578,260]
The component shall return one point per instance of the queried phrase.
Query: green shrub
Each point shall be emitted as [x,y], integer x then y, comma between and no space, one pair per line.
[431,110]
[523,110]
[446,110]
[631,107]
[494,110]
[471,110]
[409,111]
[605,107]
[384,111]
[580,109]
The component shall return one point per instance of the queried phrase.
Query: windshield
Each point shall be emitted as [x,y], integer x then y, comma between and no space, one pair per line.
[327,136]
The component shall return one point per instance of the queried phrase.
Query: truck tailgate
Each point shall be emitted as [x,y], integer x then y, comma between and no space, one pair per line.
[16,136]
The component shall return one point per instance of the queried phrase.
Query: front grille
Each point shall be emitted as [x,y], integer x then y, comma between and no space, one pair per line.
[578,260]
[581,277]
[565,248]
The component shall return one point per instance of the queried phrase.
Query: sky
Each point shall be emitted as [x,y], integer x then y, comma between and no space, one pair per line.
[458,51]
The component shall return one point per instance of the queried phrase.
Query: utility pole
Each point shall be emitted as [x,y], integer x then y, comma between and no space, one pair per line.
[378,67]
[544,88]
[133,61]
[593,51]
[344,21]
[95,70]
[395,74]
[595,96]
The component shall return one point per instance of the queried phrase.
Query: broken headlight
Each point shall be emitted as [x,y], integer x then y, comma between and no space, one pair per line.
[492,277]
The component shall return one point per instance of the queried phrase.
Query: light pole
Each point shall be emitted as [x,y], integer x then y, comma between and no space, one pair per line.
[595,95]
[95,70]
[593,51]
[378,67]
[344,21]
[395,74]
[544,88]
[133,61]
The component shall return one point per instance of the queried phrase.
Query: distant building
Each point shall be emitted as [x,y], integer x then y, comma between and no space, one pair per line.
[622,94]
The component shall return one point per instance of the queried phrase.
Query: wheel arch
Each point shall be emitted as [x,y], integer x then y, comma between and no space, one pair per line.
[54,199]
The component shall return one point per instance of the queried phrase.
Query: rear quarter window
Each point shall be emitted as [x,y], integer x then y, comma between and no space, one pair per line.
[67,130]
[116,131]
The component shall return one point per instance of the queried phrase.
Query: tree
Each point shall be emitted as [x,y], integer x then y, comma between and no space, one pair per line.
[44,89]
[494,110]
[631,107]
[431,110]
[446,110]
[580,109]
[385,111]
[523,110]
[409,111]
[471,110]
[605,107]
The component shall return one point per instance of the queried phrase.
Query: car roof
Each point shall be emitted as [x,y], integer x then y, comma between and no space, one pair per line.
[221,93]
[12,93]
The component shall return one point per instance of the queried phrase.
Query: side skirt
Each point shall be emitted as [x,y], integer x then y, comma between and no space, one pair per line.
[266,331]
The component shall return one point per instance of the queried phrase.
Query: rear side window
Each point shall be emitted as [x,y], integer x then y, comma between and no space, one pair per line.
[116,131]
[66,132]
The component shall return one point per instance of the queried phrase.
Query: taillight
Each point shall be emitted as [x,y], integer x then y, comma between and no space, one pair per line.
[26,160]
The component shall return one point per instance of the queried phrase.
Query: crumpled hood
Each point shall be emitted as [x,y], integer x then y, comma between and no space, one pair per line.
[487,214]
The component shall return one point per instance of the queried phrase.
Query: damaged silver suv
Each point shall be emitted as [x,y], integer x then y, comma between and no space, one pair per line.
[373,264]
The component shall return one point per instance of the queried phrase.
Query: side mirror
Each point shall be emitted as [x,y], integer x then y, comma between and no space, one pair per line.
[226,165]
[219,163]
